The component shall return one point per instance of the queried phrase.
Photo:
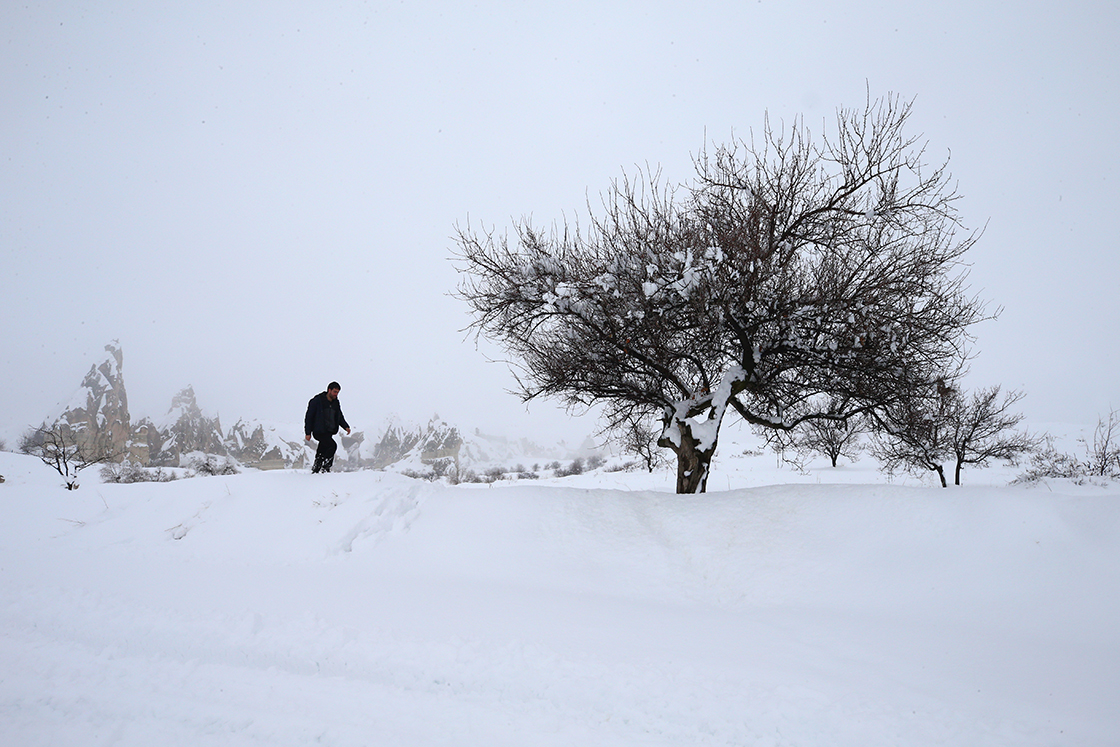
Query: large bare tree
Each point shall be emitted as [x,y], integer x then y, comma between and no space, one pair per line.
[794,279]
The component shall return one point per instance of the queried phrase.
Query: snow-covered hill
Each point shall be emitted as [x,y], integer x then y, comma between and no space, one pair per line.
[366,608]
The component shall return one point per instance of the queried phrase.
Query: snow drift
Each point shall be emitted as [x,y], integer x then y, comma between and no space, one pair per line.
[367,608]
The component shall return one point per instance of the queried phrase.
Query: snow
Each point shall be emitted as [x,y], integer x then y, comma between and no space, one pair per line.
[825,608]
[705,428]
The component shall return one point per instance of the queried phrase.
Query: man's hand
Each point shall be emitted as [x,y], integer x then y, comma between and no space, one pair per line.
[307,437]
[347,431]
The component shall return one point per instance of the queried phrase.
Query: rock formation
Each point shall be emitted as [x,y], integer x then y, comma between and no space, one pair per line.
[97,415]
[262,446]
[185,430]
[97,418]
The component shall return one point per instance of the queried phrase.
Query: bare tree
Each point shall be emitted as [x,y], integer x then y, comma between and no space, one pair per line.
[58,448]
[981,429]
[926,432]
[830,438]
[1102,456]
[793,281]
[912,434]
[636,437]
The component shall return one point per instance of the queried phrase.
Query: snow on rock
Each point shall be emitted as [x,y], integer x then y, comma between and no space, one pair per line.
[183,430]
[96,415]
[268,445]
[415,448]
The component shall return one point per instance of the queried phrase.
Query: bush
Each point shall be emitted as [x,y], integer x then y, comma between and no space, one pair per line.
[430,476]
[1102,457]
[212,465]
[1048,462]
[472,477]
[127,472]
[443,467]
[575,468]
[58,448]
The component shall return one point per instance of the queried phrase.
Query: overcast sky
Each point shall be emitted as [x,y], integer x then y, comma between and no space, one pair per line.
[258,198]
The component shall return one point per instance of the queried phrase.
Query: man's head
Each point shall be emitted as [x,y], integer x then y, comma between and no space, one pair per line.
[332,390]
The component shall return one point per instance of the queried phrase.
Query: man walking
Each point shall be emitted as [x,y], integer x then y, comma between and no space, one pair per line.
[323,419]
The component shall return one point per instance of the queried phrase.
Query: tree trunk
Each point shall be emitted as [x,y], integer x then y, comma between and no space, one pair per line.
[957,474]
[941,473]
[692,462]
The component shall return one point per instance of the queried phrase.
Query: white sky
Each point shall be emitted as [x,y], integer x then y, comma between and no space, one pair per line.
[257,198]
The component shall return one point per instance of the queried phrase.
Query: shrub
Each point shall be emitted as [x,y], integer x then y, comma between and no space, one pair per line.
[470,476]
[575,468]
[429,476]
[1102,457]
[59,448]
[212,465]
[1048,462]
[127,472]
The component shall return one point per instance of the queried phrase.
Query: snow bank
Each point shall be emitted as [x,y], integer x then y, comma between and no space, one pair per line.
[366,608]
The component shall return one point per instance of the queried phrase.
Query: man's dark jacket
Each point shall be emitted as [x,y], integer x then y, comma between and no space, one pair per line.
[323,416]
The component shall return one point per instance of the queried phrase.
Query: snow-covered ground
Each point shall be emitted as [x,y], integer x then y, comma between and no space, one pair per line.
[826,608]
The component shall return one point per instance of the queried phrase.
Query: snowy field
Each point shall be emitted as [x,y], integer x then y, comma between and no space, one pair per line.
[827,608]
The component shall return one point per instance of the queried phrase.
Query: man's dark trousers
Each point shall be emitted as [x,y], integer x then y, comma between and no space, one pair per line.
[324,455]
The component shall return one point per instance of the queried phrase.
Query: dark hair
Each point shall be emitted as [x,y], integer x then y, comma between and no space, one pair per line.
[333,385]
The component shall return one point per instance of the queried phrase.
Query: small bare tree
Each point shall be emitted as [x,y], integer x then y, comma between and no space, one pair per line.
[59,449]
[636,437]
[981,429]
[926,432]
[1102,456]
[833,438]
[912,434]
